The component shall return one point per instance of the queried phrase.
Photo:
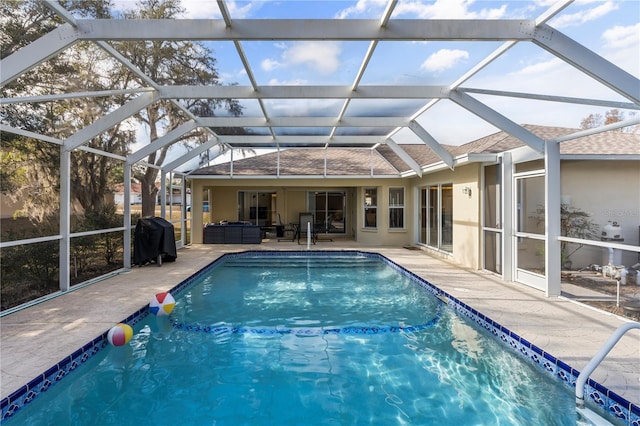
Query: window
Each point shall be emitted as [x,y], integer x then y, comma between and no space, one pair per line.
[396,207]
[370,207]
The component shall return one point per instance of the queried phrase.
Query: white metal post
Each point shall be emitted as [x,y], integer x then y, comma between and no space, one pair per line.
[507,213]
[553,261]
[127,216]
[163,194]
[65,219]
[183,209]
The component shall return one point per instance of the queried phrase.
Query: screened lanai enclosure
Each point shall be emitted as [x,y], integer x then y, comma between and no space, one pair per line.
[112,111]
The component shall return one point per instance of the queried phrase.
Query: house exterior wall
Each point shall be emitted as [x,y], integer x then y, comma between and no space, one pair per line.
[382,235]
[292,200]
[118,198]
[607,191]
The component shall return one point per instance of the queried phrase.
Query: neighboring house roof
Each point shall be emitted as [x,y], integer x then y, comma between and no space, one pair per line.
[383,161]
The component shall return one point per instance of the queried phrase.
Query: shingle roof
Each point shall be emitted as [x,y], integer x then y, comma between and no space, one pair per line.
[308,162]
[384,161]
[605,143]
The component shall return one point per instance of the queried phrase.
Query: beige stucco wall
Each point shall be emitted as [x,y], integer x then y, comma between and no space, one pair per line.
[382,235]
[608,191]
[291,200]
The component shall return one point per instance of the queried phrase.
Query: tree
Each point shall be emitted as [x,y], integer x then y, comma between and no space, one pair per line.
[612,116]
[170,62]
[34,165]
[30,167]
[24,21]
[574,223]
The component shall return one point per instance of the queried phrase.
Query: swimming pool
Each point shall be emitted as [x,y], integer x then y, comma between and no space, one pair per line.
[311,341]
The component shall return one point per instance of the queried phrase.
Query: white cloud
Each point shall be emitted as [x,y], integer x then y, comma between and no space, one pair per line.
[539,68]
[545,3]
[296,82]
[303,107]
[201,9]
[447,9]
[323,57]
[240,12]
[553,77]
[618,36]
[198,9]
[231,77]
[581,17]
[362,6]
[444,59]
[269,64]
[320,56]
[623,51]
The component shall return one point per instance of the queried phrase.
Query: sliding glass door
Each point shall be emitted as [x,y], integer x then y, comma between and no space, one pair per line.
[436,216]
[492,219]
[328,209]
[257,207]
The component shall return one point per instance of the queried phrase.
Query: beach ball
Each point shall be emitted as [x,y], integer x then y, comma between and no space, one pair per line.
[120,334]
[162,304]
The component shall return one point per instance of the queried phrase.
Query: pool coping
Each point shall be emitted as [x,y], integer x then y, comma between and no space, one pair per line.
[602,397]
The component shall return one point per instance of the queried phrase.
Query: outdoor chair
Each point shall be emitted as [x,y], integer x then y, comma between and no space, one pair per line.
[292,230]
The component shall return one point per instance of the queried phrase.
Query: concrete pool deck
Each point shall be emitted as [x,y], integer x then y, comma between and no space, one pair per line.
[38,337]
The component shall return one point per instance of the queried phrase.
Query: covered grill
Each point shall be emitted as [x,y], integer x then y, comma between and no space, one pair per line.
[154,241]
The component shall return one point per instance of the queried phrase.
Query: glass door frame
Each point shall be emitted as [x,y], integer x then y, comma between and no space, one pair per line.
[252,209]
[330,220]
[431,214]
[495,229]
[528,277]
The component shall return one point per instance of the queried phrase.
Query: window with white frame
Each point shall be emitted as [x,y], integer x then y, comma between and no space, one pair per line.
[370,207]
[396,207]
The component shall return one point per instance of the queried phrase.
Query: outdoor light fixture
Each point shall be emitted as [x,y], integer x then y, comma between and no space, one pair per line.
[467,190]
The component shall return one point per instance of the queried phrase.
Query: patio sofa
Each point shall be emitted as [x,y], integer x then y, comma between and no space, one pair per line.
[232,233]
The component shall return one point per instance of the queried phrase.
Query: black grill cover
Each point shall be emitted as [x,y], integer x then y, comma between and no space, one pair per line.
[153,236]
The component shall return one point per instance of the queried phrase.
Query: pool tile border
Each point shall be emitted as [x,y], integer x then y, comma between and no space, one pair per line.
[627,412]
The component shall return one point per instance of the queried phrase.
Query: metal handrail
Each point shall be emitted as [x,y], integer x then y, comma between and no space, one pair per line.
[597,359]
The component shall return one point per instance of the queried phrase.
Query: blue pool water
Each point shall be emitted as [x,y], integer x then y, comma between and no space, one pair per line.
[306,340]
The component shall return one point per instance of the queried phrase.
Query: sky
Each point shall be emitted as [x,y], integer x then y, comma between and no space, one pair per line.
[609,28]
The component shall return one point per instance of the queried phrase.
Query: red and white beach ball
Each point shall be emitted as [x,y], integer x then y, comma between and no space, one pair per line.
[162,304]
[120,334]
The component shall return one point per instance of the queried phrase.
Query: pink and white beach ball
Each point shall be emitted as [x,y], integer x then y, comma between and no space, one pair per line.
[120,334]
